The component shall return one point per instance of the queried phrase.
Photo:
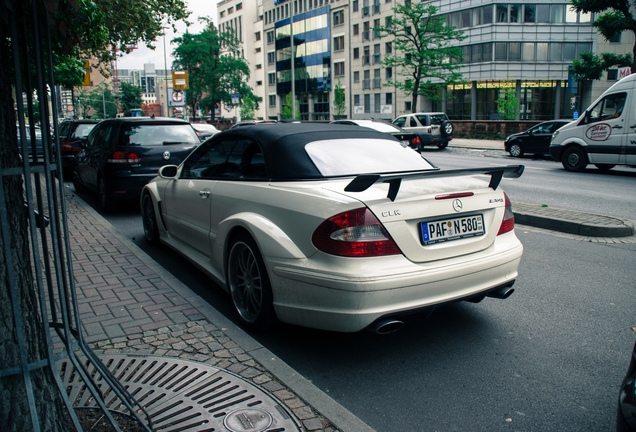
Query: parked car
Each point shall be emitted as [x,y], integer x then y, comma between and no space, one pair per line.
[121,155]
[626,418]
[432,128]
[333,226]
[407,138]
[205,130]
[251,123]
[71,135]
[534,140]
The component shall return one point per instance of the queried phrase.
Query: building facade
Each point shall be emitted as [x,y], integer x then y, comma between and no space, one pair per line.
[509,45]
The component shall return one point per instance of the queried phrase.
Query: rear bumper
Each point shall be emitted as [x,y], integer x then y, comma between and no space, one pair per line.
[127,186]
[307,295]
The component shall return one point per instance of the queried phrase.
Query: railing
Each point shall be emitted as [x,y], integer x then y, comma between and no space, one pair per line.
[366,84]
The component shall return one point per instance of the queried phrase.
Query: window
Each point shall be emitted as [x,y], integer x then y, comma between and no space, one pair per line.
[356,100]
[543,13]
[355,5]
[528,51]
[230,11]
[338,43]
[388,99]
[612,74]
[529,13]
[257,36]
[615,39]
[272,100]
[356,53]
[388,48]
[239,6]
[259,66]
[501,51]
[270,37]
[367,103]
[271,78]
[356,29]
[356,76]
[258,49]
[376,102]
[514,51]
[610,107]
[338,18]
[259,83]
[407,106]
[388,73]
[339,69]
[271,57]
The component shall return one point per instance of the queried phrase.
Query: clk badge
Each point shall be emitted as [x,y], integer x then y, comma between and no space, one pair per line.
[457,205]
[166,155]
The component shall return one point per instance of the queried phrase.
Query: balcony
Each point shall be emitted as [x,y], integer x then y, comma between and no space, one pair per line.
[377,83]
[365,11]
[366,84]
[377,58]
[376,9]
[365,60]
[365,35]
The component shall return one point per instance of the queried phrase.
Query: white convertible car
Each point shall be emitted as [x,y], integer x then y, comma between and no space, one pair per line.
[334,227]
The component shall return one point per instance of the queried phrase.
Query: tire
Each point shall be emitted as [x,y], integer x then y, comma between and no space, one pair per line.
[149,219]
[604,167]
[515,150]
[574,159]
[77,183]
[443,145]
[106,203]
[248,284]
[447,128]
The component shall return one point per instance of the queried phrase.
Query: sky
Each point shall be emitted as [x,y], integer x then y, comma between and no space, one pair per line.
[143,55]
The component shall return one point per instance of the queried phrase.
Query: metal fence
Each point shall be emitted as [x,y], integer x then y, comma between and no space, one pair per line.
[38,169]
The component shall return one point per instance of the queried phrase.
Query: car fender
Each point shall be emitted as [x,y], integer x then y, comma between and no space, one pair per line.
[556,150]
[152,188]
[271,239]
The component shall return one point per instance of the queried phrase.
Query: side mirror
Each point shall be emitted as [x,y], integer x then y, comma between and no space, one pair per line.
[168,171]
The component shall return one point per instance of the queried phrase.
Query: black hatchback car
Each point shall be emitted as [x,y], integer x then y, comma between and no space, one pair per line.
[534,140]
[71,135]
[121,155]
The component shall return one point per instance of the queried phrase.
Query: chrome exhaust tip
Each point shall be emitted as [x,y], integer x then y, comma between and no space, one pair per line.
[386,326]
[502,292]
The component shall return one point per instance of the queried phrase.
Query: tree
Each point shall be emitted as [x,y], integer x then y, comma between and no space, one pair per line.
[89,28]
[129,97]
[423,53]
[618,17]
[286,111]
[247,109]
[339,103]
[100,97]
[508,104]
[215,68]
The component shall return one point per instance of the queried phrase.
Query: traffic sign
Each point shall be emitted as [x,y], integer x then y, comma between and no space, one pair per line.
[180,80]
[87,74]
[69,108]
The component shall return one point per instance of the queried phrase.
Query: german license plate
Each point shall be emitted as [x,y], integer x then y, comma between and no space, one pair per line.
[452,229]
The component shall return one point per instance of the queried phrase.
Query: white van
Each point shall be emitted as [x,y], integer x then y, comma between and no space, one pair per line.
[605,135]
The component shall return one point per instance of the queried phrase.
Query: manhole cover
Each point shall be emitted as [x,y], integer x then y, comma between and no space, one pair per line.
[181,395]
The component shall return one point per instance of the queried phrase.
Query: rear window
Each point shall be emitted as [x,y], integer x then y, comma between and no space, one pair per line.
[437,119]
[82,130]
[158,134]
[363,156]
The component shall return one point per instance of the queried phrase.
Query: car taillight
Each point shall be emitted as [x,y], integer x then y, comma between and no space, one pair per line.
[124,157]
[508,222]
[416,140]
[354,233]
[67,146]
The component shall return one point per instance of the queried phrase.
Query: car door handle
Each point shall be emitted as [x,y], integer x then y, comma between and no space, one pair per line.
[617,127]
[204,193]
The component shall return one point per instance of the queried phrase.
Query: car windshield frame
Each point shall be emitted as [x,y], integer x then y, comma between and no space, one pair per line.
[355,156]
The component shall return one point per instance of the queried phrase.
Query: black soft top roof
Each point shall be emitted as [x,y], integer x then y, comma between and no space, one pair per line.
[283,144]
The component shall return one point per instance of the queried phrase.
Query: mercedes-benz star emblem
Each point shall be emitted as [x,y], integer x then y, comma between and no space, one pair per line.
[457,205]
[166,156]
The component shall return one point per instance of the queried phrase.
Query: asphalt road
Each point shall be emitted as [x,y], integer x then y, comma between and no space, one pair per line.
[551,357]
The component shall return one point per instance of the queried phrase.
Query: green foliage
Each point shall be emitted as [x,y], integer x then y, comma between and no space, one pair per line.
[95,101]
[216,69]
[129,97]
[612,17]
[508,104]
[339,102]
[424,52]
[286,111]
[247,109]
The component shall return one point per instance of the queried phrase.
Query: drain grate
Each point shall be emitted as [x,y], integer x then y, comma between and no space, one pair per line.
[181,395]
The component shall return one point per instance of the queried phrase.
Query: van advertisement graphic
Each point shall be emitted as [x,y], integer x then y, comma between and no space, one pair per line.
[599,132]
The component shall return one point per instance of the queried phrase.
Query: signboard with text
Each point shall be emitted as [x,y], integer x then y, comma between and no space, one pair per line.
[180,80]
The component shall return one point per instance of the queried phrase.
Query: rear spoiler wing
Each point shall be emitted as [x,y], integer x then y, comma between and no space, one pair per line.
[365,181]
